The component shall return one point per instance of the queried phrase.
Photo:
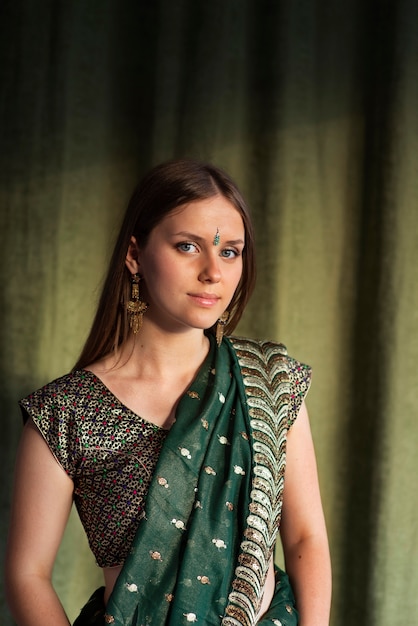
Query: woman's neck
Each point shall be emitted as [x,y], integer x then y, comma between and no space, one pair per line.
[157,354]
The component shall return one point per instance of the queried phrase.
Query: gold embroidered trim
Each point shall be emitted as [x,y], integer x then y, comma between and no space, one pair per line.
[266,382]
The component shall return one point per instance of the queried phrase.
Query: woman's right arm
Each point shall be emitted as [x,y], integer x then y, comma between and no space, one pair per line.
[42,502]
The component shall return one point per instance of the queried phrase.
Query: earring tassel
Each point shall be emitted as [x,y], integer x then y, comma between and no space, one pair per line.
[136,307]
[220,327]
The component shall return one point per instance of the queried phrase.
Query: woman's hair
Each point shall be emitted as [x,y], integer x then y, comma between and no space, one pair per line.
[163,189]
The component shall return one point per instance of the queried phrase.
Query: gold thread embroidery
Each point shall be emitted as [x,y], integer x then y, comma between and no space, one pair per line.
[265,379]
[204,580]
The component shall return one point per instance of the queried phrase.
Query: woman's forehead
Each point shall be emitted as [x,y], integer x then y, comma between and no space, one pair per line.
[216,212]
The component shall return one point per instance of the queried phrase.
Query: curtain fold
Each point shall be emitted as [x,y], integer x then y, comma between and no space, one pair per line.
[312,108]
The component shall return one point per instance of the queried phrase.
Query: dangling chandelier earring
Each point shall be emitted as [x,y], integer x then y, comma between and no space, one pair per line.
[220,327]
[135,307]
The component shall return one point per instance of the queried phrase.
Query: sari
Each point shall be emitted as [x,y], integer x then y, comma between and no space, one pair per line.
[202,551]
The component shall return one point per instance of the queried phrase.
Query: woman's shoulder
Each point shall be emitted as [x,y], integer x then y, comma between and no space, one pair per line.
[268,351]
[59,392]
[57,411]
[270,360]
[265,348]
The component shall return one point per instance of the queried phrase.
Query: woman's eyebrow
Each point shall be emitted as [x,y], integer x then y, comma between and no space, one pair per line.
[231,242]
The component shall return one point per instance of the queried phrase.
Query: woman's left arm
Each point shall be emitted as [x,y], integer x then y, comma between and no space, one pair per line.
[303,531]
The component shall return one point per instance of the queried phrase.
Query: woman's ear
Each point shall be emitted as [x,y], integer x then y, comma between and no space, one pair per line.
[132,256]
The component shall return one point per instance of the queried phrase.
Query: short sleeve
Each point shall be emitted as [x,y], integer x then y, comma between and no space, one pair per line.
[52,412]
[300,379]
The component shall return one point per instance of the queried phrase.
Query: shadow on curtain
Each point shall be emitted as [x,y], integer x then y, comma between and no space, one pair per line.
[312,107]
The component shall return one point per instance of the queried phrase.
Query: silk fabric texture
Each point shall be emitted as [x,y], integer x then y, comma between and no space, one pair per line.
[212,513]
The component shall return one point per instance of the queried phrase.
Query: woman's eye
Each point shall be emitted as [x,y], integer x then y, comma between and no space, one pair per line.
[229,253]
[187,247]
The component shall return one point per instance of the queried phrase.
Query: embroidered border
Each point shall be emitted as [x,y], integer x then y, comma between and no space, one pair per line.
[266,381]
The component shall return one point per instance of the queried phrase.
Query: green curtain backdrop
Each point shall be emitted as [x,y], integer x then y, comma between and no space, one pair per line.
[313,108]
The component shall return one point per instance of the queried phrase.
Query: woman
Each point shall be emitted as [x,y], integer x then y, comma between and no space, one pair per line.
[174,438]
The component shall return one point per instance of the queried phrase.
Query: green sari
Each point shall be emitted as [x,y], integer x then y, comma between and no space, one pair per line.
[202,552]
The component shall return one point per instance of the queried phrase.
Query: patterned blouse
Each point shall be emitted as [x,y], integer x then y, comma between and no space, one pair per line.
[109,452]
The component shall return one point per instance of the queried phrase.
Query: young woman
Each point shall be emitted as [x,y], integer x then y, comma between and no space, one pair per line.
[172,438]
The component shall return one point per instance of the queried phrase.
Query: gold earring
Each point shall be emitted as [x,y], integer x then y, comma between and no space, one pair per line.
[136,307]
[220,326]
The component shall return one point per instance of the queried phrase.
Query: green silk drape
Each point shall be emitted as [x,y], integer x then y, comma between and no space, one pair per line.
[312,107]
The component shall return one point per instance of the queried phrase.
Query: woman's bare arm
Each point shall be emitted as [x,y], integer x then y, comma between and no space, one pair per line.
[41,505]
[303,530]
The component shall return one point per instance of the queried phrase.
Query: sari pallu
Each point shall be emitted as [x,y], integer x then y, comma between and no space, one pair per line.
[202,551]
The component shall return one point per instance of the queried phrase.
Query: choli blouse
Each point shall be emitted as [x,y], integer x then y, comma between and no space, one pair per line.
[109,452]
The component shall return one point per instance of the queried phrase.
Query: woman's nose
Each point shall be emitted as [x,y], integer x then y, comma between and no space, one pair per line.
[210,271]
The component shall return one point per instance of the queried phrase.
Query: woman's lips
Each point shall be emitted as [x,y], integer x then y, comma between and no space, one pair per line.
[205,299]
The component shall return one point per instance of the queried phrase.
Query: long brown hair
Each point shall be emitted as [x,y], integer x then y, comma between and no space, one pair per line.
[163,189]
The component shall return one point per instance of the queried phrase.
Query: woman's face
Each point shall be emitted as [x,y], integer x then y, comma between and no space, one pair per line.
[191,264]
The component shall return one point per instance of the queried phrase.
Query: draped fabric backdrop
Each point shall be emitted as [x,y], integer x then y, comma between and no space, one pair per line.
[312,107]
